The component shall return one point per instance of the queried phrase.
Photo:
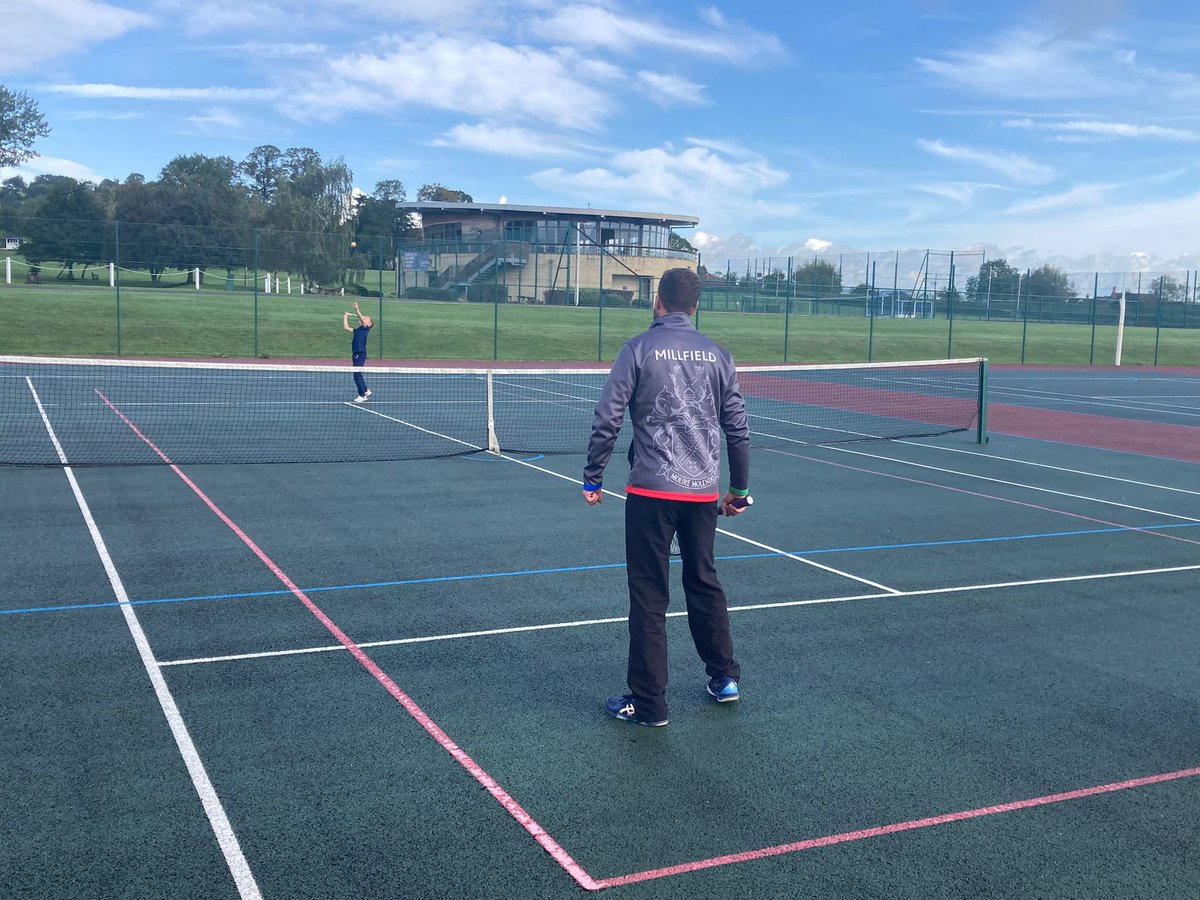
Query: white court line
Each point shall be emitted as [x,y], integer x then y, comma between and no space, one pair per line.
[239,868]
[739,537]
[411,425]
[753,543]
[1057,398]
[1154,400]
[1016,484]
[619,620]
[1025,462]
[1083,399]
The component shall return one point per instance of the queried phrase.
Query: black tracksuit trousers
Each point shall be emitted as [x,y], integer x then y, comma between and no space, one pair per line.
[649,525]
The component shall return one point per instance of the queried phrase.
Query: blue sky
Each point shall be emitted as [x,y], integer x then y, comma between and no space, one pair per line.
[1060,130]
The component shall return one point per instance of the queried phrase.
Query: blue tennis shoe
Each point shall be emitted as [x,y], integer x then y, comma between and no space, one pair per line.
[724,689]
[625,709]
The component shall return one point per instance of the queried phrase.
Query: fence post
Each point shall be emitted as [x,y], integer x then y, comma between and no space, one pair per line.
[1095,290]
[117,277]
[950,291]
[1025,320]
[1158,317]
[379,318]
[600,313]
[787,311]
[871,317]
[698,268]
[496,251]
[255,293]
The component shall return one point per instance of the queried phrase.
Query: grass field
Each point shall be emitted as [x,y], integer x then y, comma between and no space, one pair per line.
[182,322]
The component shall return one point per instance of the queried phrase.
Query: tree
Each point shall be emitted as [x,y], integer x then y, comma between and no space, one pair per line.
[391,190]
[679,242]
[310,218]
[997,280]
[439,194]
[1173,289]
[377,220]
[20,125]
[12,199]
[203,202]
[68,225]
[261,171]
[817,277]
[1049,282]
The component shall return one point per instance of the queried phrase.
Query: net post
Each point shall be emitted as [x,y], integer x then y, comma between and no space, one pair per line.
[493,443]
[981,435]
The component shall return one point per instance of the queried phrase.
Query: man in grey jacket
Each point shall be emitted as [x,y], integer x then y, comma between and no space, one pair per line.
[681,391]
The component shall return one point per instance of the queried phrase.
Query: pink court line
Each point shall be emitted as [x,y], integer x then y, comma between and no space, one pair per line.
[581,877]
[511,806]
[895,828]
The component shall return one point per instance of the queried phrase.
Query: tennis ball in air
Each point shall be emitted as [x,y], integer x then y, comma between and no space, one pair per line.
[353,244]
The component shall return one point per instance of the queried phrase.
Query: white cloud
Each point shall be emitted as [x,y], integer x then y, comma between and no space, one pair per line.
[1027,64]
[1017,168]
[51,165]
[716,186]
[102,115]
[38,32]
[478,77]
[1166,225]
[277,50]
[505,140]
[963,192]
[666,90]
[130,92]
[217,119]
[284,18]
[596,26]
[1078,196]
[1088,129]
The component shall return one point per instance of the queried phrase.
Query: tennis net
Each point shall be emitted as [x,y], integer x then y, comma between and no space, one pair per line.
[93,412]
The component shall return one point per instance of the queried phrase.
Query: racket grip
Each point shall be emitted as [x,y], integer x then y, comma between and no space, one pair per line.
[740,503]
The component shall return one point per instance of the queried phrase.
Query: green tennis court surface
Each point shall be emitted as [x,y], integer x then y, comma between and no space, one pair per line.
[968,671]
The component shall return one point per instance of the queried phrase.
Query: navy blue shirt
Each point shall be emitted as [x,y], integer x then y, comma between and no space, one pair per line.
[358,343]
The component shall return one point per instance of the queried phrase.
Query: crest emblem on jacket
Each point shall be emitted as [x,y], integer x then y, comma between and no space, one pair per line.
[686,430]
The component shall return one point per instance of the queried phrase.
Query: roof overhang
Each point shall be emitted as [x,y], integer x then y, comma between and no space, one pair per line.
[588,214]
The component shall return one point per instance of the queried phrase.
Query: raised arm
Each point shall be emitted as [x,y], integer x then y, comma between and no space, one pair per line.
[346,322]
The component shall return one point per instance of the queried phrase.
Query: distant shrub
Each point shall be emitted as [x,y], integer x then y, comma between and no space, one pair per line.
[487,293]
[428,293]
[591,297]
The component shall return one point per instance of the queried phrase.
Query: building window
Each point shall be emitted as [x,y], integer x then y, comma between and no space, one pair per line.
[451,231]
[520,230]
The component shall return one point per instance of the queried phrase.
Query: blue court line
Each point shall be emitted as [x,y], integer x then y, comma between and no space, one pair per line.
[592,568]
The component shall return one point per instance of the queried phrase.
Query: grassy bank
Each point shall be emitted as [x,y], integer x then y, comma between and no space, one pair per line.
[183,322]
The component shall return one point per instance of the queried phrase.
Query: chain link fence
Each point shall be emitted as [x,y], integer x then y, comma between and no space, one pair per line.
[127,289]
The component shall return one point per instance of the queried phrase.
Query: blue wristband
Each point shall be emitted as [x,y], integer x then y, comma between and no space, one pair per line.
[588,486]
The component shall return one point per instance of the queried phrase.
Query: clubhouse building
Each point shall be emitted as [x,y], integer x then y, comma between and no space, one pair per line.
[540,254]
